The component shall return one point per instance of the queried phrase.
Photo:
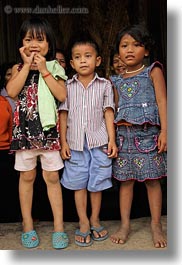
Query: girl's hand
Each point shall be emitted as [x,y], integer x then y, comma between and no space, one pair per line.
[162,142]
[40,62]
[26,59]
[65,151]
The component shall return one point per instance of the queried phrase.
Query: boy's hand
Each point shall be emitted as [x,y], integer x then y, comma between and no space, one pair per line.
[112,150]
[65,151]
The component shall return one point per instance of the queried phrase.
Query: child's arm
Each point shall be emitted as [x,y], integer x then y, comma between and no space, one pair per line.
[116,97]
[161,97]
[10,127]
[109,118]
[57,87]
[65,150]
[17,81]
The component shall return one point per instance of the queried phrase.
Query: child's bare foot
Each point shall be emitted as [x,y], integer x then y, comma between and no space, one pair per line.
[158,236]
[121,235]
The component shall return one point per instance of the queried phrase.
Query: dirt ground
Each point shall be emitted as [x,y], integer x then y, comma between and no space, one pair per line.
[139,239]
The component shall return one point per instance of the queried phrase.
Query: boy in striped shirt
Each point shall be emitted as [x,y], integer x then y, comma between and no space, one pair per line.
[87,137]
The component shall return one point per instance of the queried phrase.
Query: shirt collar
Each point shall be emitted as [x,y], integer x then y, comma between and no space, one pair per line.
[75,78]
[4,92]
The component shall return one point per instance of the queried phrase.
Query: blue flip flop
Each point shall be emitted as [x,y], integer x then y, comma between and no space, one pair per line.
[30,239]
[84,235]
[98,230]
[59,240]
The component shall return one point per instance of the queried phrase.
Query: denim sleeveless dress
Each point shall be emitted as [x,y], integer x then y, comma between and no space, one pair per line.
[138,157]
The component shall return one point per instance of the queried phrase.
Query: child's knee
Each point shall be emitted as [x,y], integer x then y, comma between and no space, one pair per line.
[28,176]
[51,177]
[152,183]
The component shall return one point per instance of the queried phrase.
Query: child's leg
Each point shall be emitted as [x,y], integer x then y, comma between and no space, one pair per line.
[155,203]
[55,197]
[95,198]
[26,194]
[125,199]
[81,207]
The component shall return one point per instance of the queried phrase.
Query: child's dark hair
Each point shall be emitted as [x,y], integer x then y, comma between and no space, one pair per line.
[61,51]
[3,69]
[112,53]
[139,33]
[37,27]
[83,37]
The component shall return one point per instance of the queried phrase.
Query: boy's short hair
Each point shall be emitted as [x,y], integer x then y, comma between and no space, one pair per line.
[83,37]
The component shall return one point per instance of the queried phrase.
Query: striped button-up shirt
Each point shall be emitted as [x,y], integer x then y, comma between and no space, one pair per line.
[86,108]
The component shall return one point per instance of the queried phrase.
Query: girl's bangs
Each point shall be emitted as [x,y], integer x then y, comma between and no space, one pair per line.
[36,32]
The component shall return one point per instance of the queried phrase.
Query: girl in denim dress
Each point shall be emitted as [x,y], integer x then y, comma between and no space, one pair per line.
[141,130]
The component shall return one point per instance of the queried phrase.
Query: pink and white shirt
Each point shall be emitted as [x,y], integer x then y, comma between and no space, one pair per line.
[86,108]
